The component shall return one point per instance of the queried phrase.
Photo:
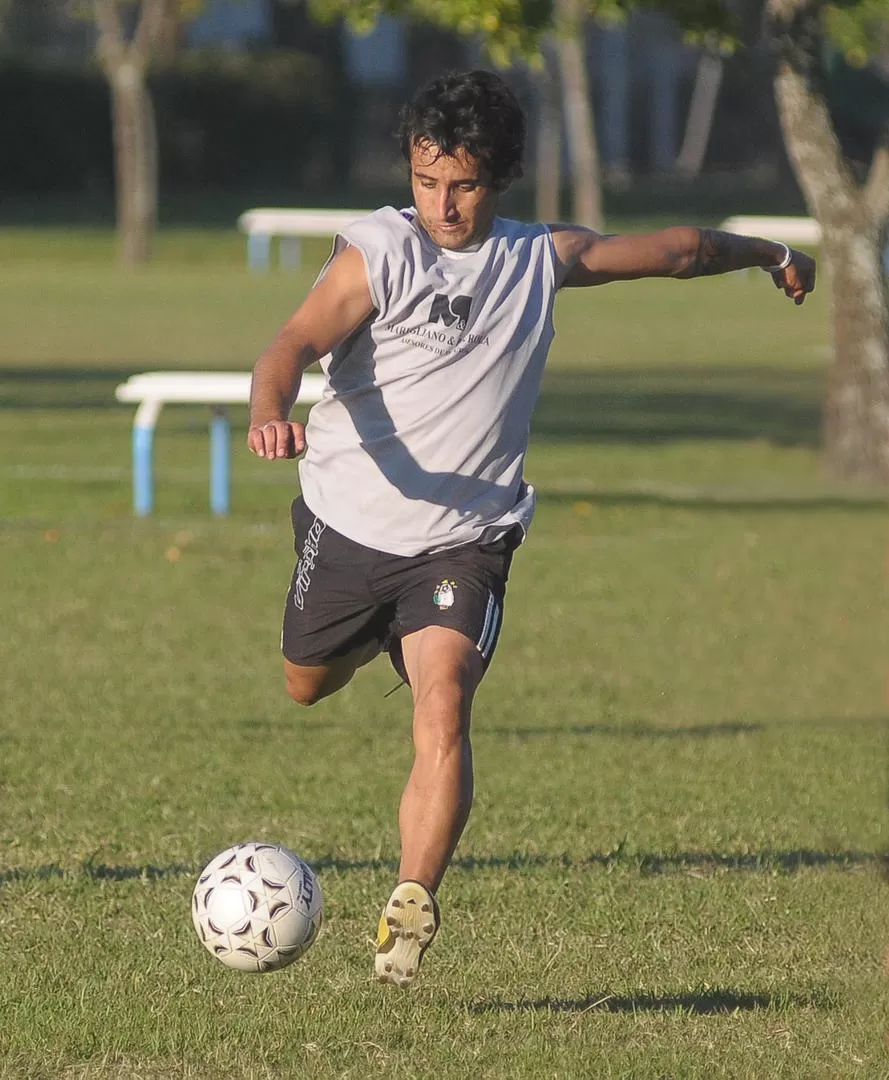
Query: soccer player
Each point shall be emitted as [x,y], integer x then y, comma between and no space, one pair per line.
[432,325]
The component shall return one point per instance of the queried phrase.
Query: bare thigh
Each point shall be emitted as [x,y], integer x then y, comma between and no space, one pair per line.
[307,684]
[446,664]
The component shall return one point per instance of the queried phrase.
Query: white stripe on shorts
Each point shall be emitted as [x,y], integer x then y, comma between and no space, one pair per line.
[489,629]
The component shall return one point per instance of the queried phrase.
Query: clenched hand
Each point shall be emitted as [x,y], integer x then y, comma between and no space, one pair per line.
[798,278]
[277,439]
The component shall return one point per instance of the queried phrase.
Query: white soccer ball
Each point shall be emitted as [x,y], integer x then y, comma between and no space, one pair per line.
[257,907]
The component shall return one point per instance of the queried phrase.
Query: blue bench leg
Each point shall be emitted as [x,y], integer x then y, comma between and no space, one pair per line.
[143,470]
[290,252]
[259,252]
[220,462]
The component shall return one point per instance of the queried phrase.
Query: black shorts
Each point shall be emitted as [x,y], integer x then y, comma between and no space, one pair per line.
[344,595]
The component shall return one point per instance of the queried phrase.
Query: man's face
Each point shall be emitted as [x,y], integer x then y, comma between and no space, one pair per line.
[453,196]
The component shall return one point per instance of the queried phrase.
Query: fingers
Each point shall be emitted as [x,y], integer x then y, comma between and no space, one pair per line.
[793,290]
[780,281]
[798,290]
[277,439]
[795,293]
[798,280]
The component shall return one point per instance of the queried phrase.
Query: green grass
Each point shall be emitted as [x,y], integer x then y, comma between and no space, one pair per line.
[673,864]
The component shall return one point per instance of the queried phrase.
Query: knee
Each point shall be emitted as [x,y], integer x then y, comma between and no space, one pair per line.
[442,711]
[302,692]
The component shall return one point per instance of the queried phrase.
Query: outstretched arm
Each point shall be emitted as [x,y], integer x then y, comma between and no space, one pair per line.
[588,258]
[337,305]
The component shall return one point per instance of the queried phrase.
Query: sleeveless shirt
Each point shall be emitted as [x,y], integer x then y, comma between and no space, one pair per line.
[418,442]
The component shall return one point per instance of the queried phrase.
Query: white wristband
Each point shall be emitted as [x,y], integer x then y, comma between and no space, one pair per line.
[784,263]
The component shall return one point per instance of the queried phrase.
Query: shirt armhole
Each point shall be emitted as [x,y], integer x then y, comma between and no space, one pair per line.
[340,243]
[371,277]
[555,263]
[557,267]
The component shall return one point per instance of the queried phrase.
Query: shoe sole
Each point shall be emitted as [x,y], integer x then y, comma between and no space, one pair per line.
[411,921]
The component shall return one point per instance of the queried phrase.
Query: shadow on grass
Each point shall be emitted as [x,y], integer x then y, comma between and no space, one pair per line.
[697,863]
[64,388]
[659,404]
[701,1003]
[686,731]
[786,862]
[633,731]
[99,872]
[648,405]
[703,500]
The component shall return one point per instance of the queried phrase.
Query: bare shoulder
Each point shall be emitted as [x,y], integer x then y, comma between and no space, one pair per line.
[570,243]
[337,304]
[346,268]
[343,280]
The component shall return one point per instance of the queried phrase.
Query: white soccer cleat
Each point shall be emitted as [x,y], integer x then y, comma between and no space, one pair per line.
[407,927]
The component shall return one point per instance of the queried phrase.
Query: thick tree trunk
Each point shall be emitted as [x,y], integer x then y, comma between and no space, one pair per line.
[135,157]
[586,181]
[856,407]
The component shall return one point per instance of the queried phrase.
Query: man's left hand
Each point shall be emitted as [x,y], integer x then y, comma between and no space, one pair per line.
[798,278]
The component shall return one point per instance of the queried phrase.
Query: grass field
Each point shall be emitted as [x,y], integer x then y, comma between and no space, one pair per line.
[673,865]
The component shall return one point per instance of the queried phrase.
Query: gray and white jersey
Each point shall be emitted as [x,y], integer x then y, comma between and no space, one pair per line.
[418,442]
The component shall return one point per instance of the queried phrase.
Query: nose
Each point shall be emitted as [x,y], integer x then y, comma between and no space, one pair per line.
[447,206]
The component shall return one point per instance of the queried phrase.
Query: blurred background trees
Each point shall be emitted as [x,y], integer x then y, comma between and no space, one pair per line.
[203,107]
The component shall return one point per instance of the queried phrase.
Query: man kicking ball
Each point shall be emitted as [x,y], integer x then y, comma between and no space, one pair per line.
[432,325]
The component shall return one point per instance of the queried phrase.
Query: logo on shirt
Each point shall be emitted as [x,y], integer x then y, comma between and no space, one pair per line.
[443,597]
[450,310]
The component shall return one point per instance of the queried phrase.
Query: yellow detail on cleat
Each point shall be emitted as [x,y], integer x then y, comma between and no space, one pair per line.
[408,926]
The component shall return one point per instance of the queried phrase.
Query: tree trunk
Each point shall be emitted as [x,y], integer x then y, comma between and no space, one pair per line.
[548,169]
[125,61]
[586,182]
[701,111]
[856,408]
[135,156]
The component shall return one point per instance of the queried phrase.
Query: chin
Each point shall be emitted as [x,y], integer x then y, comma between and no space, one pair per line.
[455,240]
[451,242]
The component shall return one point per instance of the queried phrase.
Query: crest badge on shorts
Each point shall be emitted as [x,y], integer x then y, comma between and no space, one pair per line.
[443,597]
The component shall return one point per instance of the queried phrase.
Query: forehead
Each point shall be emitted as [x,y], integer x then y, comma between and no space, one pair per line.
[428,158]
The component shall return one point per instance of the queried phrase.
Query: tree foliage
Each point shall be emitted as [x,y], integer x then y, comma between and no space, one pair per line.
[515,28]
[509,27]
[858,28]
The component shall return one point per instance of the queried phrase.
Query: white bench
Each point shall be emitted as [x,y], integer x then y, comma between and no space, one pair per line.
[154,389]
[263,223]
[787,230]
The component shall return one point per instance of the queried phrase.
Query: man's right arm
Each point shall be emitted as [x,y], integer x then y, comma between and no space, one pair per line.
[338,304]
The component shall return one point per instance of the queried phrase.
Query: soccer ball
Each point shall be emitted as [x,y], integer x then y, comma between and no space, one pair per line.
[257,907]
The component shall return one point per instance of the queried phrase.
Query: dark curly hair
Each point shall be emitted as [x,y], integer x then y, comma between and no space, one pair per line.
[474,111]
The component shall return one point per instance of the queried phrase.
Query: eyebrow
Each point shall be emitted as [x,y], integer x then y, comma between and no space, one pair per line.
[462,180]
